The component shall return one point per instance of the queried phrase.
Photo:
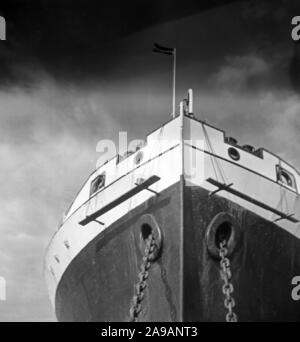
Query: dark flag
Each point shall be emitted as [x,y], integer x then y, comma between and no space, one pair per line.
[162,49]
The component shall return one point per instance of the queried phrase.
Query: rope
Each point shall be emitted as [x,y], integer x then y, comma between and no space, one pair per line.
[213,158]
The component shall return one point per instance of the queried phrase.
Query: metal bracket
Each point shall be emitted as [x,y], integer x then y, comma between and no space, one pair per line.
[221,187]
[102,224]
[284,217]
[146,188]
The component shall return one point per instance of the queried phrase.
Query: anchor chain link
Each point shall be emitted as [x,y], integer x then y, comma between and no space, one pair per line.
[143,275]
[227,287]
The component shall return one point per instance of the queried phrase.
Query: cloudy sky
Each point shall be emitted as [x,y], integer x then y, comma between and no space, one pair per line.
[66,85]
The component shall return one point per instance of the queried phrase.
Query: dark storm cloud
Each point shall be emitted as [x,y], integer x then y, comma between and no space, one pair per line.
[78,40]
[86,41]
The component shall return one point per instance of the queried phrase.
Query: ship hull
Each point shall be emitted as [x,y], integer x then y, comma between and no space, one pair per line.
[184,282]
[98,285]
[264,260]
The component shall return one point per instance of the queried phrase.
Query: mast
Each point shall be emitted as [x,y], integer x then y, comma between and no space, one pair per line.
[171,52]
[174,83]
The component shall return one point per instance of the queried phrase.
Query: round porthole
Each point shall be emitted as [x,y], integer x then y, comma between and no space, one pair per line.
[138,158]
[285,178]
[234,153]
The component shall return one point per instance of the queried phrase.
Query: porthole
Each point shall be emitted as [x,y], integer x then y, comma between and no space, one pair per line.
[97,183]
[234,153]
[286,178]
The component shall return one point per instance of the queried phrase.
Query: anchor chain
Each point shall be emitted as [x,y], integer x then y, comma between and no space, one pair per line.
[143,275]
[227,288]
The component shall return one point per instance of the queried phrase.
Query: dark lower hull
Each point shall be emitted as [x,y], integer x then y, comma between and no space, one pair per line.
[184,283]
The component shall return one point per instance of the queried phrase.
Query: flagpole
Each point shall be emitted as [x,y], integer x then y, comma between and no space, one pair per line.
[174,83]
[169,51]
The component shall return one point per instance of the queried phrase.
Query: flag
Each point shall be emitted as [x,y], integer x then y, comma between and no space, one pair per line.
[162,49]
